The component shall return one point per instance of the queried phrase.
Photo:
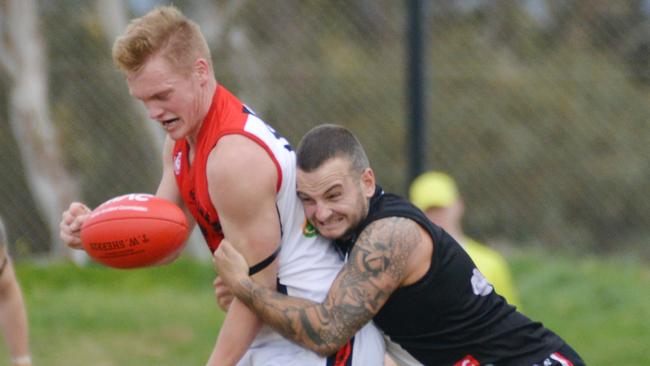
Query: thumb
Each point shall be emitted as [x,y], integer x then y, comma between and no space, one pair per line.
[220,254]
[226,247]
[78,208]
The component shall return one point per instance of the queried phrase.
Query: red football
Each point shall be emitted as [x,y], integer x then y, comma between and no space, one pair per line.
[134,230]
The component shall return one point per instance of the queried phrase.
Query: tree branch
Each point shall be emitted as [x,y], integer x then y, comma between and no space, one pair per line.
[6,61]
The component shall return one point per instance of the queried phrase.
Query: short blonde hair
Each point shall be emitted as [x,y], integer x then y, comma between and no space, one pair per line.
[165,30]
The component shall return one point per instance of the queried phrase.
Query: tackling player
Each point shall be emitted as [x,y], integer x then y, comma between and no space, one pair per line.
[403,272]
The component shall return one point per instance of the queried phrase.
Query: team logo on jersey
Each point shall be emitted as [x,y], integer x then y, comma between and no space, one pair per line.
[480,284]
[177,162]
[308,229]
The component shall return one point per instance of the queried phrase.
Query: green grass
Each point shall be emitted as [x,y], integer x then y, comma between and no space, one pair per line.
[601,306]
[105,317]
[168,316]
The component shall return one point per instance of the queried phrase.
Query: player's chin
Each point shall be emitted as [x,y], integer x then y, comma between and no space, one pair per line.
[177,131]
[176,135]
[332,233]
[327,235]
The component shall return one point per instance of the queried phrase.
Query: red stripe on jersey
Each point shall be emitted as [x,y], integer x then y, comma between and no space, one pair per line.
[343,357]
[561,359]
[227,115]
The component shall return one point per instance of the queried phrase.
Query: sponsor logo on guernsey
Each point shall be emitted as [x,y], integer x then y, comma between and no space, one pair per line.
[308,229]
[480,284]
[177,162]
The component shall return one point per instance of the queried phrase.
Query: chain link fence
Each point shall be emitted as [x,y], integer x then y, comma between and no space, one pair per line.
[538,108]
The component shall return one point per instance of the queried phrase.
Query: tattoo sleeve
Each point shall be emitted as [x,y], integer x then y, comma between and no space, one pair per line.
[376,266]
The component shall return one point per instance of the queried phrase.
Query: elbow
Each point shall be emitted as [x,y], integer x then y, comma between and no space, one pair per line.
[327,350]
[325,338]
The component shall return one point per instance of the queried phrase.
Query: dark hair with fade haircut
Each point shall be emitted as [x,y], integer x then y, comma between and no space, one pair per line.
[328,141]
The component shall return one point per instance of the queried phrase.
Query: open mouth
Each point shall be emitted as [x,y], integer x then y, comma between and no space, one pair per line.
[168,122]
[331,223]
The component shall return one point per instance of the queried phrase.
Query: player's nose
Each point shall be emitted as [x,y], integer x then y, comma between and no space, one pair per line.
[322,212]
[154,112]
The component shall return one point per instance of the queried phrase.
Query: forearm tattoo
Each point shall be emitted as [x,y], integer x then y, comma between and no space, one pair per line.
[375,268]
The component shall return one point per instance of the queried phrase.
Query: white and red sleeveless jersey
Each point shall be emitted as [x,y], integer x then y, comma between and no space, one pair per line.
[308,263]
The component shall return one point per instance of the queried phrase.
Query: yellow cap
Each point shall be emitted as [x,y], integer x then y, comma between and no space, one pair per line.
[433,189]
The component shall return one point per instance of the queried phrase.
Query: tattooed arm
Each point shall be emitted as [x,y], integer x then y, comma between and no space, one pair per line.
[381,260]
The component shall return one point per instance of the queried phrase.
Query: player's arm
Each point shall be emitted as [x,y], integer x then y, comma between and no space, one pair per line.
[168,189]
[13,315]
[383,258]
[242,184]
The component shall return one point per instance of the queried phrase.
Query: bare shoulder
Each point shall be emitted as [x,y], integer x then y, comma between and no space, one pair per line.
[392,246]
[237,159]
[242,177]
[242,185]
[391,234]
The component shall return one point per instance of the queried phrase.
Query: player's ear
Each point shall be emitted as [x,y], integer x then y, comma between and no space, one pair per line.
[202,69]
[368,182]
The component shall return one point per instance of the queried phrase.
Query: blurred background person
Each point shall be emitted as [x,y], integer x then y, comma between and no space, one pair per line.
[437,195]
[13,315]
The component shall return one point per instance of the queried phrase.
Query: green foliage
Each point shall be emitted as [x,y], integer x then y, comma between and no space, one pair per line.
[15,200]
[542,140]
[90,102]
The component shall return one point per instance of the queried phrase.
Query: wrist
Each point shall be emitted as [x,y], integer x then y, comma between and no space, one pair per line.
[243,288]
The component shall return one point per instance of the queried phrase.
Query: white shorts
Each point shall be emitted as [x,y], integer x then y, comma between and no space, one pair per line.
[367,350]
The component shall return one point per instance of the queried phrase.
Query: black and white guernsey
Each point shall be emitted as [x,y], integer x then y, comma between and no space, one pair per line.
[452,315]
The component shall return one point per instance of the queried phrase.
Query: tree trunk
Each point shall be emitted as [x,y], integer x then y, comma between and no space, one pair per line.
[24,58]
[112,16]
